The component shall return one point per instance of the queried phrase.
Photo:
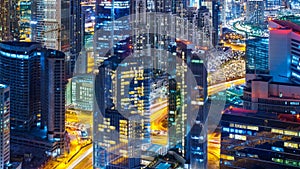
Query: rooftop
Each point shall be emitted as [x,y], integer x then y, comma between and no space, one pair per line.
[283,121]
[21,44]
[288,24]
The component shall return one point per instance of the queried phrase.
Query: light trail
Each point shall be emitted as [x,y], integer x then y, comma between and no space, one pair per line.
[223,86]
[79,159]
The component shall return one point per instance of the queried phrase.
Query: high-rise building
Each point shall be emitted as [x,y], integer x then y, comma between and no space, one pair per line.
[30,70]
[5,125]
[251,139]
[216,21]
[123,90]
[117,133]
[109,28]
[20,66]
[53,86]
[9,20]
[24,13]
[284,51]
[257,55]
[76,35]
[255,12]
[192,144]
[53,24]
[273,4]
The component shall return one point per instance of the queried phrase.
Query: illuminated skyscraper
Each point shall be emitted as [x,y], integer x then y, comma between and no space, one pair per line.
[255,12]
[109,28]
[5,126]
[36,77]
[118,133]
[123,87]
[20,70]
[190,134]
[257,55]
[53,24]
[25,15]
[9,21]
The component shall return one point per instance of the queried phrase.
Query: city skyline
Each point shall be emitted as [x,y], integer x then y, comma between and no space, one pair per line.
[149,84]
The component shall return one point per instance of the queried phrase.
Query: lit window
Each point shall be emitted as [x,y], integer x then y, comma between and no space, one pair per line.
[277,160]
[291,145]
[277,131]
[290,133]
[240,137]
[252,128]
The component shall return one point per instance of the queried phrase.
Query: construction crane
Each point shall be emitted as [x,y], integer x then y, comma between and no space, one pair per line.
[58,30]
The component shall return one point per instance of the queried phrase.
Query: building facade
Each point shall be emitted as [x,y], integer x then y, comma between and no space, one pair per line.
[251,139]
[20,70]
[5,126]
[53,100]
[255,12]
[284,41]
[117,133]
[82,92]
[262,93]
[9,20]
[257,55]
[37,80]
[106,33]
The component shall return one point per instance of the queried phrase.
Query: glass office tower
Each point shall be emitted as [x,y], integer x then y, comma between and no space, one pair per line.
[20,70]
[109,28]
[36,77]
[257,55]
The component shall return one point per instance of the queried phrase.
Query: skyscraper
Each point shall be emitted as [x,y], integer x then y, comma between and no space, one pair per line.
[53,24]
[5,125]
[76,35]
[193,142]
[9,20]
[53,85]
[255,12]
[117,134]
[216,18]
[109,28]
[37,80]
[25,16]
[20,66]
[257,55]
[123,86]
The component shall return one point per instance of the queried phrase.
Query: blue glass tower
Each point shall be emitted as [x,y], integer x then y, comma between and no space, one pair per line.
[109,27]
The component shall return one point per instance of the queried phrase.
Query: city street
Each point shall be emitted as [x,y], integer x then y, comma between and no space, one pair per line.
[86,163]
[225,85]
[214,150]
